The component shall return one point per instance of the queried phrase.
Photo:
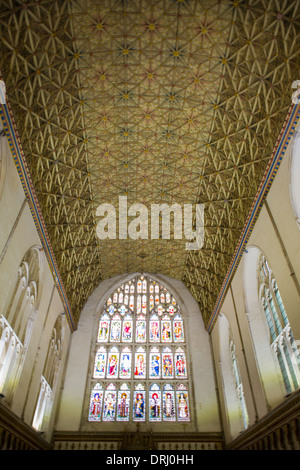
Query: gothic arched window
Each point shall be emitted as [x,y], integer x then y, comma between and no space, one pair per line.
[49,378]
[16,324]
[140,371]
[281,336]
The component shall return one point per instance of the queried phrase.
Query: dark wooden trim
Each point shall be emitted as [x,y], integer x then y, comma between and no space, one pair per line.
[15,434]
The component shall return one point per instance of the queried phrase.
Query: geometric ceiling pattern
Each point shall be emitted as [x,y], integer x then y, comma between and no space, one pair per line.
[162,101]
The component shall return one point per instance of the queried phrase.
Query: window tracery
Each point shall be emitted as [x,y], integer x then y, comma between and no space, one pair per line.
[140,363]
[281,335]
[49,378]
[239,385]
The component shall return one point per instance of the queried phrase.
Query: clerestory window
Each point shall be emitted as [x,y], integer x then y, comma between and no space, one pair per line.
[281,336]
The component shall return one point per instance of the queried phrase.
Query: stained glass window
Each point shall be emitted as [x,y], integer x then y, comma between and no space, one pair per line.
[140,368]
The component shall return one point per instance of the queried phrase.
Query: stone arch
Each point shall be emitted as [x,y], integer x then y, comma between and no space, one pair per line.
[83,350]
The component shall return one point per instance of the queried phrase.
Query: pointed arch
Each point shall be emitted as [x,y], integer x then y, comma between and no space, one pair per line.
[49,377]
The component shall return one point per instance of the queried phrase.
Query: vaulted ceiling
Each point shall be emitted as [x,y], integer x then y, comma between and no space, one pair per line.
[164,101]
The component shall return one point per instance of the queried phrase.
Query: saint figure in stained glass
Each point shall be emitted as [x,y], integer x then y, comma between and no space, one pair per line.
[154,329]
[115,331]
[109,404]
[168,404]
[155,403]
[167,364]
[141,330]
[100,363]
[154,364]
[103,329]
[178,329]
[125,363]
[166,330]
[182,403]
[112,367]
[127,329]
[123,404]
[139,405]
[140,366]
[180,364]
[96,403]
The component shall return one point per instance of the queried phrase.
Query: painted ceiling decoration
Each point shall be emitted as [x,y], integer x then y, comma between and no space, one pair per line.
[162,101]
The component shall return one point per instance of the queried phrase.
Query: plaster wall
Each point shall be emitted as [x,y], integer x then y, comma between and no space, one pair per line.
[73,413]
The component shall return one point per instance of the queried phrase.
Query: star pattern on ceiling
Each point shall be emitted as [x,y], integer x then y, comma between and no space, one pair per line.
[164,101]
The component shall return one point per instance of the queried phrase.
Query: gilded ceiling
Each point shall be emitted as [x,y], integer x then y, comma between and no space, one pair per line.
[164,101]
